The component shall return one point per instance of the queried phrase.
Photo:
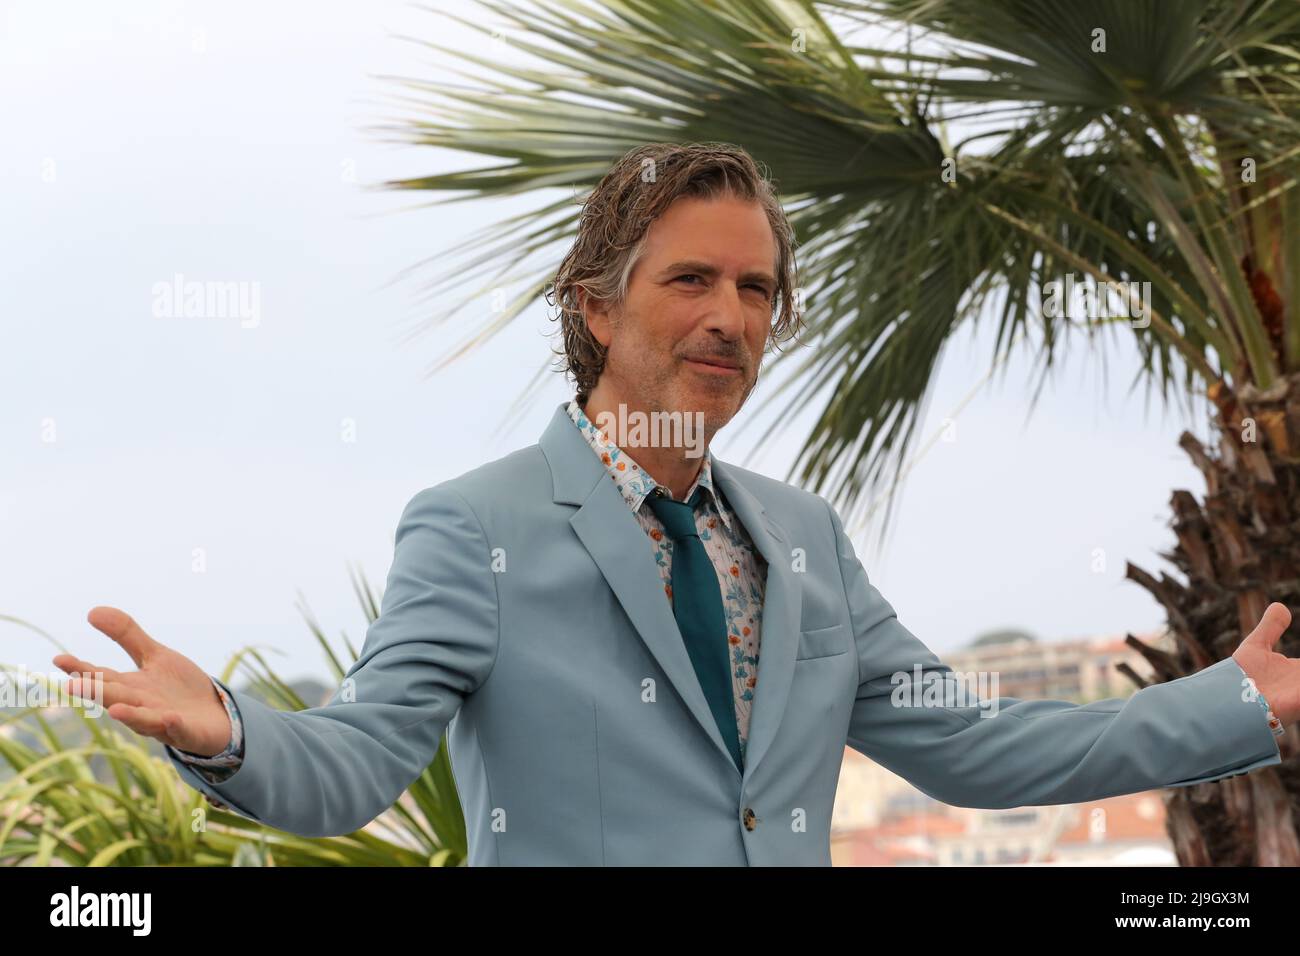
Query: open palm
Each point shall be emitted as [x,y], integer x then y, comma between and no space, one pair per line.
[169,698]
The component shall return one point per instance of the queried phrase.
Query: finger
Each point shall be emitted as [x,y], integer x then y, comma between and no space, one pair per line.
[105,693]
[1272,626]
[123,629]
[149,721]
[75,665]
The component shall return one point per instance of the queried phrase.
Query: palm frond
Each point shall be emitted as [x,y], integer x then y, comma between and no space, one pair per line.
[1095,138]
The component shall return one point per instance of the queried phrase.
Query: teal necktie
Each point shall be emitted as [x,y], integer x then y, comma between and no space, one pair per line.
[697,605]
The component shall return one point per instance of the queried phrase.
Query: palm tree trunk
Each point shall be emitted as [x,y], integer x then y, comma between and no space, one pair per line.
[1237,550]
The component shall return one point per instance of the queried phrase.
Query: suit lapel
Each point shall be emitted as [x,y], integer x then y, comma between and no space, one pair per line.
[782,607]
[614,539]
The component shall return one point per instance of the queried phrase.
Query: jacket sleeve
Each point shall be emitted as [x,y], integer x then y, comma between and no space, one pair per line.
[330,770]
[930,725]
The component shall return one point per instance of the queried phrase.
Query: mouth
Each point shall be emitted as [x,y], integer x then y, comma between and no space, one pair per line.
[715,366]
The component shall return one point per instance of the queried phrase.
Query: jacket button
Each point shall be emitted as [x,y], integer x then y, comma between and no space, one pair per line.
[749,819]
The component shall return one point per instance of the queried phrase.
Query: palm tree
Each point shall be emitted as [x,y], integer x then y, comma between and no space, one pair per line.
[945,161]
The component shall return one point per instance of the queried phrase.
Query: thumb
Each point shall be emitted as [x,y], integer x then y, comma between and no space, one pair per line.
[1272,626]
[174,729]
[123,629]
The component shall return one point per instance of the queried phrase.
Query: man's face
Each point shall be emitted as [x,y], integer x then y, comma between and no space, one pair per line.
[690,335]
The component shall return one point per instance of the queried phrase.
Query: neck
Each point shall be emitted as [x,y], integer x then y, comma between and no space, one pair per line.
[672,463]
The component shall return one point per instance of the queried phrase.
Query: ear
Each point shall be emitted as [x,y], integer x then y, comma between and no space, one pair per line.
[596,314]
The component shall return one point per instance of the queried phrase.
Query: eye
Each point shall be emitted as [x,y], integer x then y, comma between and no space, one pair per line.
[767,295]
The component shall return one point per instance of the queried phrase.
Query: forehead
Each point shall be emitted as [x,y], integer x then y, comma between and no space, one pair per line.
[727,230]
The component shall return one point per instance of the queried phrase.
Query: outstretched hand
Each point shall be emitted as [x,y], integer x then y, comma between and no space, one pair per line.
[169,698]
[1276,676]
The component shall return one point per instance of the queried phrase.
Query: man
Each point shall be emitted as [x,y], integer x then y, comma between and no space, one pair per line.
[644,655]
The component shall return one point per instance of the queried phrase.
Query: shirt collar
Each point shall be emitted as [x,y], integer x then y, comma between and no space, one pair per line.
[633,483]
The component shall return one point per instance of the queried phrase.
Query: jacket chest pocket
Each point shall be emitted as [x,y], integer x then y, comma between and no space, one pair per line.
[823,642]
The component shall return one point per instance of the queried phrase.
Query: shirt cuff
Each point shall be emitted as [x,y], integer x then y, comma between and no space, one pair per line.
[1274,724]
[233,755]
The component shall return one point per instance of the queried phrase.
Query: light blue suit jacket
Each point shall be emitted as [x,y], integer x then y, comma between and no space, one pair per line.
[523,611]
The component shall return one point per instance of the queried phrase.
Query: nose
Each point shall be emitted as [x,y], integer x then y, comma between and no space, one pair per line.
[727,317]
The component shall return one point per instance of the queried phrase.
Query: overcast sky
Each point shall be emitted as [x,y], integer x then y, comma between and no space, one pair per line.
[229,142]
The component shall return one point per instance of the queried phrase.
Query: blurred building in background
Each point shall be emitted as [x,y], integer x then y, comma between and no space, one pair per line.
[881,820]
